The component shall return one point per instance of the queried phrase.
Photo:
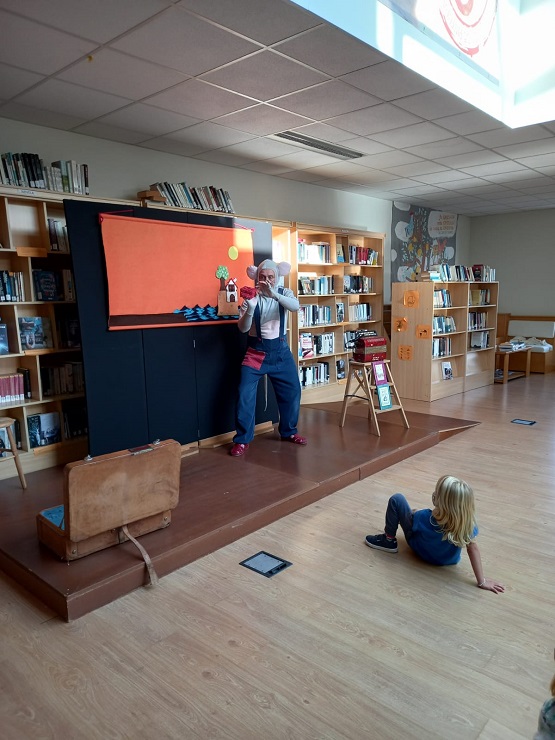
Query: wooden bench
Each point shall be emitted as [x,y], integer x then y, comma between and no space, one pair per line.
[540,327]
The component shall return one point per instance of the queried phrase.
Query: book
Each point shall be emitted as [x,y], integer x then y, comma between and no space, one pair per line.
[4,344]
[446,370]
[384,397]
[26,373]
[4,442]
[339,313]
[44,429]
[340,369]
[35,332]
[306,346]
[47,285]
[380,373]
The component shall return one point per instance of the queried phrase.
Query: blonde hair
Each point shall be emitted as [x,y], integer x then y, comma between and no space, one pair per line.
[453,500]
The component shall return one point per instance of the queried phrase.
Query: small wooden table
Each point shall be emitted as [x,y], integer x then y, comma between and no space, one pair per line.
[514,374]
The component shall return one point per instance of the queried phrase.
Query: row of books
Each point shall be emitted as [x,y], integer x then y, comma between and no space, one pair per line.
[442,299]
[362,255]
[453,273]
[321,285]
[12,286]
[360,312]
[53,285]
[29,171]
[74,414]
[441,346]
[313,253]
[481,297]
[11,388]
[479,340]
[313,314]
[443,324]
[203,198]
[483,273]
[57,235]
[314,374]
[316,344]
[57,380]
[357,284]
[477,320]
[5,442]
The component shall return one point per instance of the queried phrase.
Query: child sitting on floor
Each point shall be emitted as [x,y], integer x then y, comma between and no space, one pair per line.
[546,721]
[437,536]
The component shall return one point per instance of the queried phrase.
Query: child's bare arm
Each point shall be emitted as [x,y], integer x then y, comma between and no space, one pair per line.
[488,584]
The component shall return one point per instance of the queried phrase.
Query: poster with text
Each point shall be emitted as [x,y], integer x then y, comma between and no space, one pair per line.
[420,238]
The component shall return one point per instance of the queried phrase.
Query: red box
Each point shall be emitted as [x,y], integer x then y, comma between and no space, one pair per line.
[370,349]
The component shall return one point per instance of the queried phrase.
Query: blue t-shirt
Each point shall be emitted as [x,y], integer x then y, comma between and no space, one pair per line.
[426,540]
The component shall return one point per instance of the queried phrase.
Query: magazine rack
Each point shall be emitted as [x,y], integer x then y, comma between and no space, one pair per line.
[372,390]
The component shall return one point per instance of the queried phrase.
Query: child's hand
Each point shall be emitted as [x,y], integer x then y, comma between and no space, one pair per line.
[490,585]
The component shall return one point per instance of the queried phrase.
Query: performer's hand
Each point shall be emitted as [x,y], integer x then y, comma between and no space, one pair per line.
[250,305]
[266,289]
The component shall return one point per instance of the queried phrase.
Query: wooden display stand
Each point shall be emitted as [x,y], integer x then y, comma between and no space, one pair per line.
[362,373]
[504,365]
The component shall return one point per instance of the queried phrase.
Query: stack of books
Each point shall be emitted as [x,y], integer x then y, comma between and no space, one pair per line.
[511,345]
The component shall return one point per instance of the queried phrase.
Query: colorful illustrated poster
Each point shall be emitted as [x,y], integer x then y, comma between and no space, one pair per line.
[420,238]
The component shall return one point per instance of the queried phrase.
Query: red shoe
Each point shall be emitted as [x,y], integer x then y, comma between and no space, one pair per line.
[296,439]
[238,449]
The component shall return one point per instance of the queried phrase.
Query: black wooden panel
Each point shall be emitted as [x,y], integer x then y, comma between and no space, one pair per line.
[171,382]
[113,361]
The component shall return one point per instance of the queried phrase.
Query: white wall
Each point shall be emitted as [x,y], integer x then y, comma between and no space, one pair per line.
[521,247]
[121,170]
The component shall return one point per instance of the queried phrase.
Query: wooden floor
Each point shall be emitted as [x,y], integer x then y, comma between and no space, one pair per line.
[349,642]
[221,499]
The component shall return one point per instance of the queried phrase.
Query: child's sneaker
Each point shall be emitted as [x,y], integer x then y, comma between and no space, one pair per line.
[381,542]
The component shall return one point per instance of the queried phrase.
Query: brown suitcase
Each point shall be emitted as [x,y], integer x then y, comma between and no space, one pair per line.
[109,497]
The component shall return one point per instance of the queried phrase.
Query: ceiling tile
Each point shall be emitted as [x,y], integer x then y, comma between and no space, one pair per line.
[421,167]
[330,50]
[180,41]
[172,146]
[267,167]
[112,133]
[339,169]
[325,132]
[209,135]
[367,146]
[493,168]
[13,80]
[372,120]
[328,99]
[265,76]
[252,150]
[51,49]
[199,99]
[433,104]
[407,136]
[302,158]
[507,136]
[100,21]
[481,156]
[119,74]
[375,176]
[52,119]
[388,80]
[301,176]
[262,120]
[447,148]
[545,160]
[529,148]
[418,190]
[470,122]
[446,176]
[386,160]
[63,97]
[148,119]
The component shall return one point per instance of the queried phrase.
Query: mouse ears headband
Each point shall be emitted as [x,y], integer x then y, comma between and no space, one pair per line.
[280,269]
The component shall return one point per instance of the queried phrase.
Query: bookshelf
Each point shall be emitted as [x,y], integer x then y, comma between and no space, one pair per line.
[443,337]
[338,277]
[43,340]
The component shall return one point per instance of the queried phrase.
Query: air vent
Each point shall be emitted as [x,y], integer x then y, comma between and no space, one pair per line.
[316,145]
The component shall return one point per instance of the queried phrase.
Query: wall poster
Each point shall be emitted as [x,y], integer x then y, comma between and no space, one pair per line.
[420,238]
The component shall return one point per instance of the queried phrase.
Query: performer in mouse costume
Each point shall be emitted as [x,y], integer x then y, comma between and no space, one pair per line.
[264,318]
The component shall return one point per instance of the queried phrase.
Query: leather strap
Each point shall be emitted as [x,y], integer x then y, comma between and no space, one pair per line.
[153,578]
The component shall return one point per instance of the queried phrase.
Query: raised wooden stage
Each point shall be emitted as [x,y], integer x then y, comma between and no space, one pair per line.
[222,499]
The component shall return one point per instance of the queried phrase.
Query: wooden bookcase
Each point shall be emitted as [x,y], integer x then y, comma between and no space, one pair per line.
[332,267]
[443,337]
[55,372]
